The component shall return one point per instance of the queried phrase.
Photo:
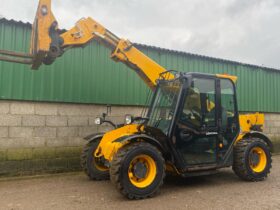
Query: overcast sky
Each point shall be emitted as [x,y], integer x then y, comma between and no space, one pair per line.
[241,30]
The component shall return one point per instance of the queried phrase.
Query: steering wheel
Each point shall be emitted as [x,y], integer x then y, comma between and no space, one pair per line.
[185,135]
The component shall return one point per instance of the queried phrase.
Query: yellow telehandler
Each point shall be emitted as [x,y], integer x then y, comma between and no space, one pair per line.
[191,127]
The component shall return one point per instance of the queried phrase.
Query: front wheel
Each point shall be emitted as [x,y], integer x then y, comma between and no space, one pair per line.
[138,170]
[252,159]
[92,166]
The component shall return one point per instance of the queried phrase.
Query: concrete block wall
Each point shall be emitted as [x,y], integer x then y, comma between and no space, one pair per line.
[48,137]
[272,129]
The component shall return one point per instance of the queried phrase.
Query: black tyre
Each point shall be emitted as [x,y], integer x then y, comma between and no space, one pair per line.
[91,166]
[252,159]
[138,170]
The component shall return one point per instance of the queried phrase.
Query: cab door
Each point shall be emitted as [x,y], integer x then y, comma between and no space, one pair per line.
[196,131]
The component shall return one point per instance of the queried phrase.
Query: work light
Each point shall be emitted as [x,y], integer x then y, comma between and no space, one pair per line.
[128,119]
[98,121]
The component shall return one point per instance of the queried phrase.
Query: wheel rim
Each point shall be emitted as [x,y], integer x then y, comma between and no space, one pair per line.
[142,171]
[257,159]
[97,165]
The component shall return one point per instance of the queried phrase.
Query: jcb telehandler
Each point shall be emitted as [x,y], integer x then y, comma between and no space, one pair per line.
[191,127]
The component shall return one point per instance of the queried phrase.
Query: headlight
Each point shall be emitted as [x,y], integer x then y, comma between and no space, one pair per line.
[128,119]
[98,121]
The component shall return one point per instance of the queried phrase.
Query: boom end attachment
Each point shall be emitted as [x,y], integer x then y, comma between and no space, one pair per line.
[45,39]
[45,44]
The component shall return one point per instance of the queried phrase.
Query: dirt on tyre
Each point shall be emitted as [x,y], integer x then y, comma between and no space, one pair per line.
[138,170]
[252,159]
[91,166]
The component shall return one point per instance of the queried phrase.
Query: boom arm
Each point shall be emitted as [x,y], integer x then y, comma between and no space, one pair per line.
[48,44]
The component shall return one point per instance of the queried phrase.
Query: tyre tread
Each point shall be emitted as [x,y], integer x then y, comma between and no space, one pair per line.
[96,175]
[239,163]
[116,166]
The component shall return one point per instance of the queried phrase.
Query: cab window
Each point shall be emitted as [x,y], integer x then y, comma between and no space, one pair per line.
[229,116]
[199,107]
[228,105]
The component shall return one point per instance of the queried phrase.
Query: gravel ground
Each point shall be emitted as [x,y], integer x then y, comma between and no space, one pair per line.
[75,191]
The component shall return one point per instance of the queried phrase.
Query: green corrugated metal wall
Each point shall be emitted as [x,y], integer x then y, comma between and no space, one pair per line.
[89,76]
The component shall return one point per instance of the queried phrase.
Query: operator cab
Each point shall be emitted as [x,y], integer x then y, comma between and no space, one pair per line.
[198,114]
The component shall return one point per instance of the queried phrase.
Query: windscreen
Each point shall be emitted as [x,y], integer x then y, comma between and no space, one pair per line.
[163,105]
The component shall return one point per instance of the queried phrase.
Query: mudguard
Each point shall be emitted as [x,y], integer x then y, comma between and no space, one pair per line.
[93,137]
[262,136]
[144,137]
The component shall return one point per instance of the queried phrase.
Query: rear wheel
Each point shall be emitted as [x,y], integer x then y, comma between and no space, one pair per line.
[252,159]
[91,165]
[138,170]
